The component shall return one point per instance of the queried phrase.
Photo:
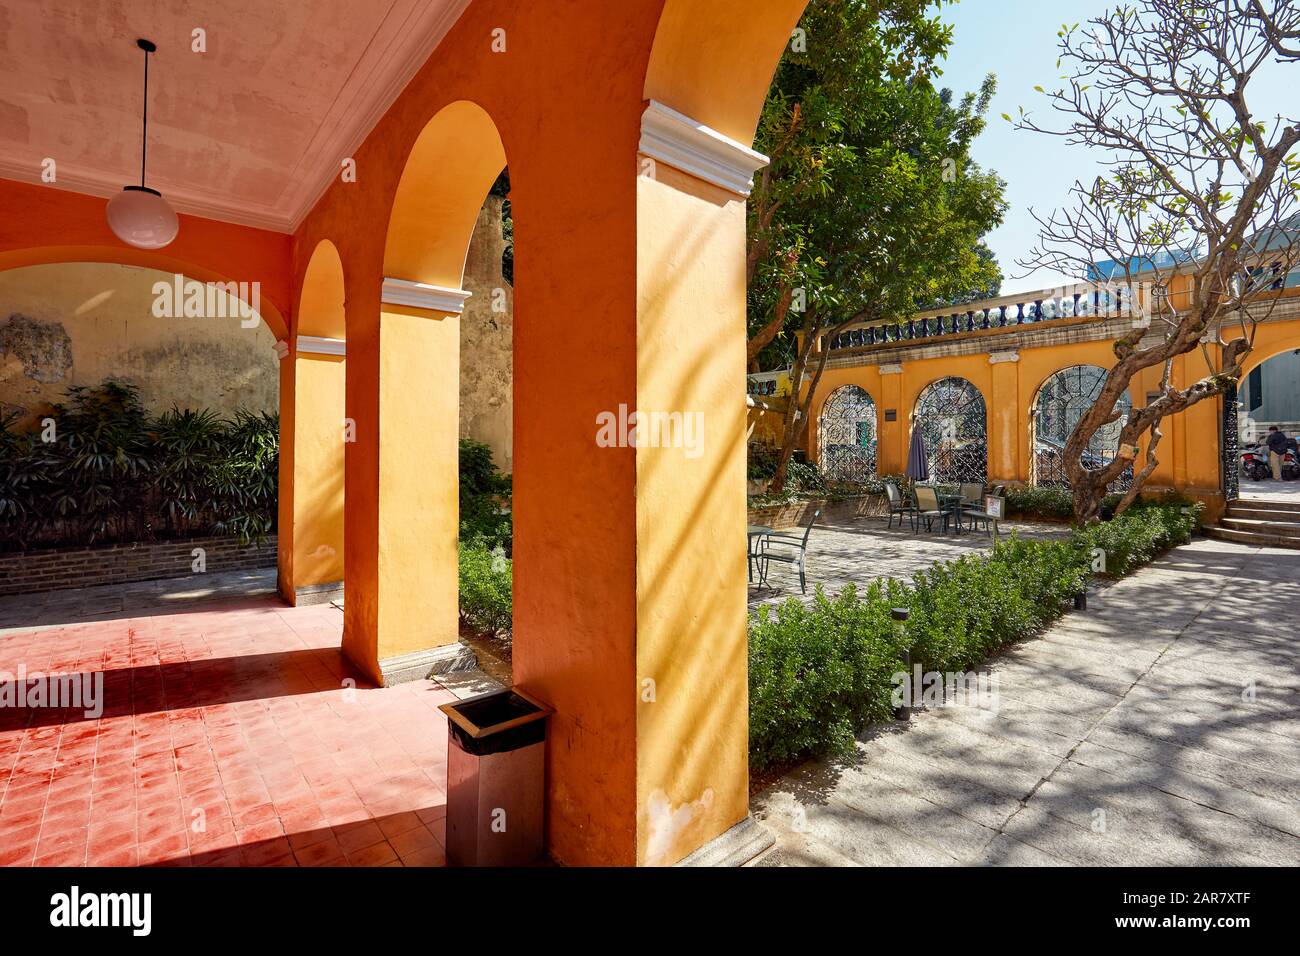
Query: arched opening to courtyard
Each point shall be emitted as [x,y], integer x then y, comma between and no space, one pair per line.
[953,423]
[1063,399]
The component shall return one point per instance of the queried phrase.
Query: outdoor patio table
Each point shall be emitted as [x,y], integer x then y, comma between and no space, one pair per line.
[755,531]
[951,502]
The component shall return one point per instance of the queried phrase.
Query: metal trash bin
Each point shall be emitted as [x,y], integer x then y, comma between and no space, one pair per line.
[496,747]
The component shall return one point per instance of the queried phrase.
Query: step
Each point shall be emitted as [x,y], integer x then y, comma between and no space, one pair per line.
[1268,504]
[1290,529]
[1256,538]
[1261,514]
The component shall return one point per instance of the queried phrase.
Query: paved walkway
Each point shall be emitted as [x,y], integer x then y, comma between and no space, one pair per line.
[1270,490]
[109,602]
[233,733]
[862,550]
[1121,738]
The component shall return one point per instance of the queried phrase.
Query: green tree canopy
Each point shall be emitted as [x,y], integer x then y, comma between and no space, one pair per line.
[871,206]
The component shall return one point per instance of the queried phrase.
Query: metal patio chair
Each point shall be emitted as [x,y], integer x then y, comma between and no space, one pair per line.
[898,506]
[928,508]
[796,554]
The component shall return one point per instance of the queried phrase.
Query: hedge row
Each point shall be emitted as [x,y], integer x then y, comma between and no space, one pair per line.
[821,672]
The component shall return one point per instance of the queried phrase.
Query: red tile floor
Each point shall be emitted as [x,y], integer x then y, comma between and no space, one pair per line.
[230,736]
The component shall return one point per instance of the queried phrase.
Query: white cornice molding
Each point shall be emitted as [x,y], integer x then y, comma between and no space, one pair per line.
[191,202]
[892,368]
[317,345]
[679,141]
[421,295]
[1009,355]
[281,349]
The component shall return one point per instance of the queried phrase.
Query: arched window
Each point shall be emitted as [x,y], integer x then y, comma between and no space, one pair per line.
[1062,401]
[846,434]
[951,418]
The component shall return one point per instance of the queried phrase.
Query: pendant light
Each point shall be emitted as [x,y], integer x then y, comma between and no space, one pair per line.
[138,215]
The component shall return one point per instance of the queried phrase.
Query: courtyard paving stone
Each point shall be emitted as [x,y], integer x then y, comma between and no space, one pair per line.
[1121,737]
[860,551]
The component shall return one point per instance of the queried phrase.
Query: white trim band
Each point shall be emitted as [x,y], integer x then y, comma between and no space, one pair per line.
[681,142]
[421,295]
[315,345]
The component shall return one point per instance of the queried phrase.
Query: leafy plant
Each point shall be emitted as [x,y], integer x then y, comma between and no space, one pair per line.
[820,672]
[484,495]
[485,587]
[761,458]
[111,473]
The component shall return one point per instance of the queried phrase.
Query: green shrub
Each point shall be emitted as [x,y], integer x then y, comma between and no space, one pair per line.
[760,460]
[804,477]
[964,610]
[485,587]
[819,673]
[1040,502]
[484,490]
[1139,535]
[112,473]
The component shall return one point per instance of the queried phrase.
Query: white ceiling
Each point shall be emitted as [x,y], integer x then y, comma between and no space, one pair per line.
[252,131]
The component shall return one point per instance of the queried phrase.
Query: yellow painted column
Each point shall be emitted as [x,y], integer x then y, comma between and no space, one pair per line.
[1004,417]
[891,451]
[418,529]
[310,535]
[691,648]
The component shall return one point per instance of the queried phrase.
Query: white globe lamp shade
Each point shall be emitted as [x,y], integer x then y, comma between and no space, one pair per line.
[140,217]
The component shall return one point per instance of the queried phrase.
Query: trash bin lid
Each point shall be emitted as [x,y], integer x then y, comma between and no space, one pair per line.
[498,721]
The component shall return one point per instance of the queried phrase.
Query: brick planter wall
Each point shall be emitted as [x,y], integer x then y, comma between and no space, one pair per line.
[796,514]
[54,568]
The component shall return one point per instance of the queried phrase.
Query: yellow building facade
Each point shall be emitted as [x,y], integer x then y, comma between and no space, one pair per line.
[1007,349]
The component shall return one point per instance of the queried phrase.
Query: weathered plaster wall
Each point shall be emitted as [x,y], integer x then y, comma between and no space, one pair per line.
[78,323]
[486,341]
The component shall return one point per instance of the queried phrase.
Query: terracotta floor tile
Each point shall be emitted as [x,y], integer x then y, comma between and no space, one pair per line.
[375,855]
[239,712]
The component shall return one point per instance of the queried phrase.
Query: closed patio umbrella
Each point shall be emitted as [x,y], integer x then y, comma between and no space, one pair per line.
[918,467]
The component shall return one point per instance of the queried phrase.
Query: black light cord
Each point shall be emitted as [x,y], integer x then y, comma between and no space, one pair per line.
[144,134]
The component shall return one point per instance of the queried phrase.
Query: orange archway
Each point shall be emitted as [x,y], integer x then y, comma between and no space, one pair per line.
[402,615]
[312,436]
[630,293]
[43,225]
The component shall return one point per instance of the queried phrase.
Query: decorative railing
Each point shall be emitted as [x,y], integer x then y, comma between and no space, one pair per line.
[1035,309]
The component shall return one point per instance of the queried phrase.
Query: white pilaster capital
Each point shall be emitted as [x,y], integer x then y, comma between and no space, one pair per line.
[679,141]
[892,368]
[281,349]
[316,345]
[1009,355]
[421,295]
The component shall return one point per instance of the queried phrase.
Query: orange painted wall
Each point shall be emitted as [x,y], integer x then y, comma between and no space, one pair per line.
[1189,453]
[573,197]
[44,224]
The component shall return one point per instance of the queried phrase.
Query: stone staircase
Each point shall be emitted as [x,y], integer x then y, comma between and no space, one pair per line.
[1275,524]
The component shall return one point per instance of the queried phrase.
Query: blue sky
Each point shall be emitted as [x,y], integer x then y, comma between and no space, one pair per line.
[1016,40]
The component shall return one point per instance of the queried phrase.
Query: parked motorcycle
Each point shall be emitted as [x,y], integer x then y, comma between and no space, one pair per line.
[1254,462]
[1290,462]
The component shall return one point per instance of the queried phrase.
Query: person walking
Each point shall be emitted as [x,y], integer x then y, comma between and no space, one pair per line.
[1276,449]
